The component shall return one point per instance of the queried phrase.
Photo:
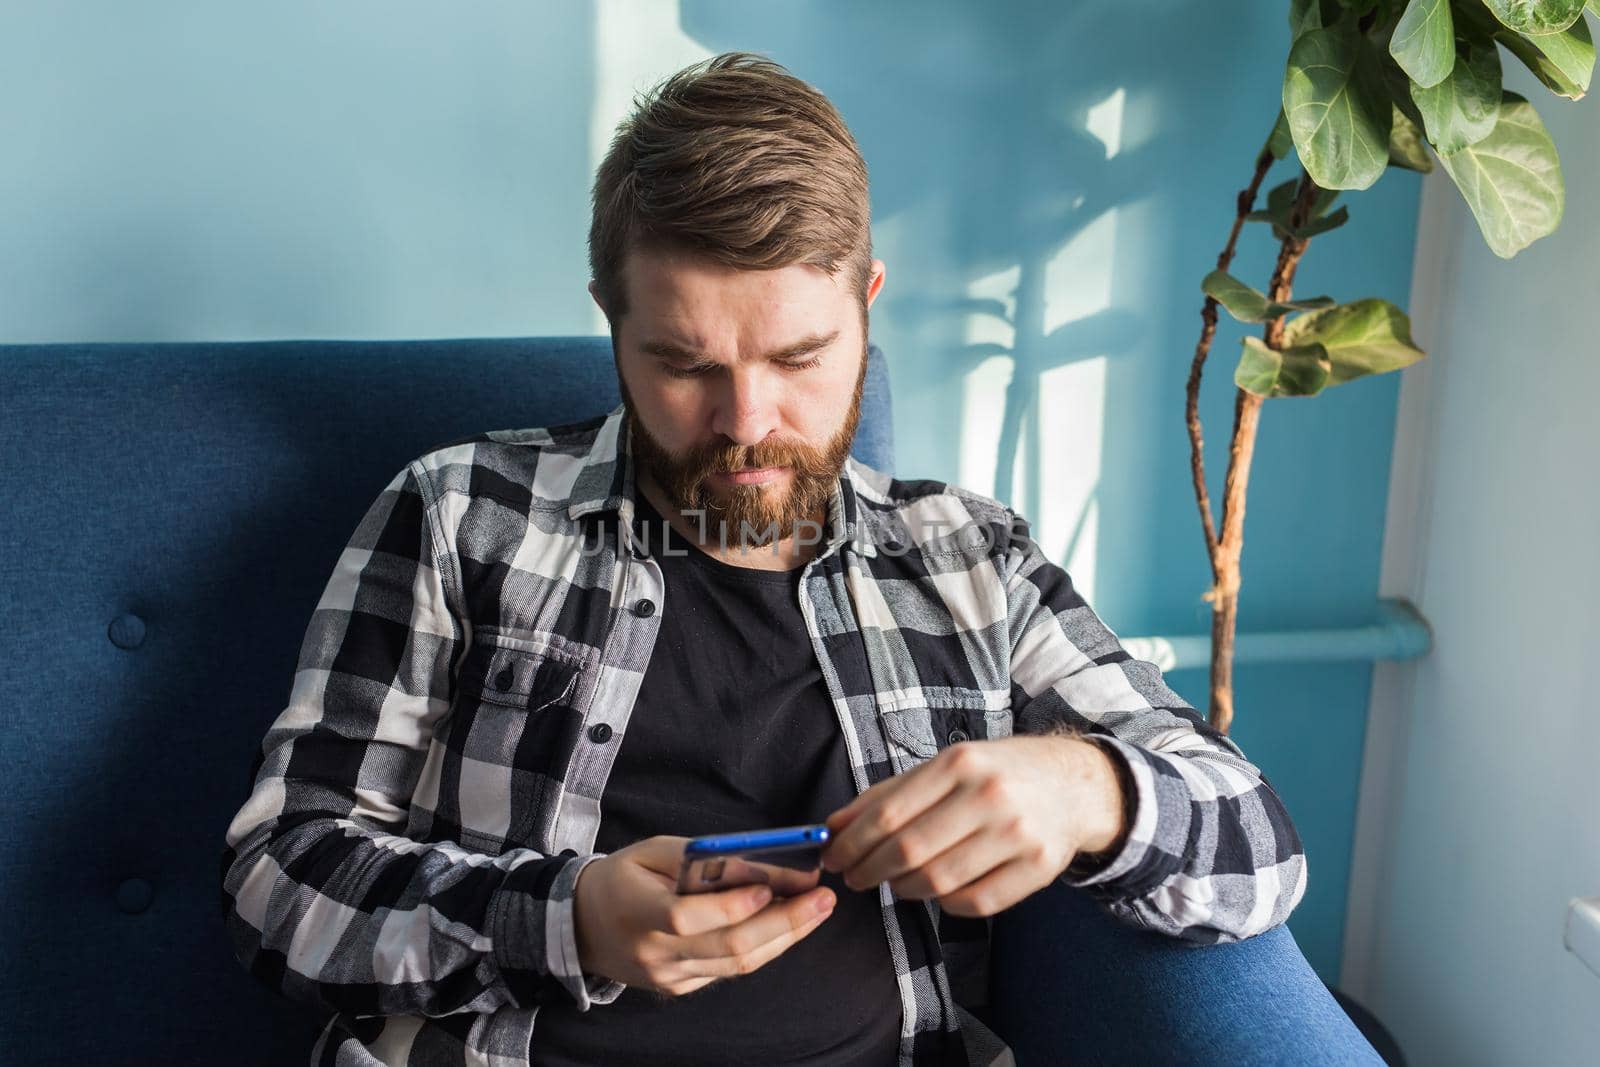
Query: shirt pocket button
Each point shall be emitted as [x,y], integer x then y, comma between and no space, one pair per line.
[600,733]
[644,608]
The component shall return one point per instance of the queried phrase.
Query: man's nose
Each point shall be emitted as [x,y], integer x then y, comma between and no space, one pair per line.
[746,412]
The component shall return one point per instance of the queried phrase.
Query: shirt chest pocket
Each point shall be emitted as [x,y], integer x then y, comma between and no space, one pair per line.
[515,677]
[508,742]
[915,734]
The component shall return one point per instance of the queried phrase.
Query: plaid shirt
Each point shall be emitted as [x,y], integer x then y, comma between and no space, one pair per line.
[423,805]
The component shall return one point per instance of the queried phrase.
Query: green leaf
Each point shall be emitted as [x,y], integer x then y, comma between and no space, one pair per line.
[1321,202]
[1280,199]
[1250,305]
[1276,211]
[1511,179]
[1547,72]
[1279,143]
[1407,147]
[1461,110]
[1337,110]
[1397,87]
[1571,54]
[1365,337]
[1280,203]
[1324,224]
[1290,372]
[1424,41]
[1535,18]
[1481,23]
[1304,15]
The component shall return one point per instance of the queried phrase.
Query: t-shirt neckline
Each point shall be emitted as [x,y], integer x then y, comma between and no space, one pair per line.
[646,515]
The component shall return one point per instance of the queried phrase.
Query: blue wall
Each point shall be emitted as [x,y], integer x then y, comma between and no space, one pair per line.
[1050,183]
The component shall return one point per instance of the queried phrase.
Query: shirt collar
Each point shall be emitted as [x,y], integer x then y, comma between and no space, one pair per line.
[605,482]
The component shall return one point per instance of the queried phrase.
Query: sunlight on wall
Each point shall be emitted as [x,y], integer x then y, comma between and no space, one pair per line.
[1058,457]
[983,394]
[636,44]
[1067,517]
[1105,121]
[983,401]
[1078,278]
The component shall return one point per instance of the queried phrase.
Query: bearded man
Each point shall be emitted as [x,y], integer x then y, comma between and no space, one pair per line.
[548,656]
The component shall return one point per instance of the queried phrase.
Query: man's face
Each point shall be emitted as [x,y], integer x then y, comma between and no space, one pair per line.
[743,387]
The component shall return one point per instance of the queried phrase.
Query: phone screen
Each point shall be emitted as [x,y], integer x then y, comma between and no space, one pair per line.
[787,858]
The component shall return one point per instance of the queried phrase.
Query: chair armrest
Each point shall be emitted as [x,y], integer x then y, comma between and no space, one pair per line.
[1067,977]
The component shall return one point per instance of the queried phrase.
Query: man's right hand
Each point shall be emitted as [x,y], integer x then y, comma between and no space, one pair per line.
[635,928]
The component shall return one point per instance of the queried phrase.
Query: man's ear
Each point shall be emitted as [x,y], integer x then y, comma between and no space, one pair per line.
[594,291]
[876,282]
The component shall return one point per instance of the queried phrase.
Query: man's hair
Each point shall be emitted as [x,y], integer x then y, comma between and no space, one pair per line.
[735,159]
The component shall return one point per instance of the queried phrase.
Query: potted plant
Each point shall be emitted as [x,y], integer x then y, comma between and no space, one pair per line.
[1368,86]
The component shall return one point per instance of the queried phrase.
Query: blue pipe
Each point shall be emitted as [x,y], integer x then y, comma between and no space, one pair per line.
[1400,632]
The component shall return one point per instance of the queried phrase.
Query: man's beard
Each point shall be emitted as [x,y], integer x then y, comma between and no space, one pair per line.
[747,515]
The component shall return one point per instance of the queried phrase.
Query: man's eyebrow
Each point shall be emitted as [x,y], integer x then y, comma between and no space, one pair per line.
[804,346]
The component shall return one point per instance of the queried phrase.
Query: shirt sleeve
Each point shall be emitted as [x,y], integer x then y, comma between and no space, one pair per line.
[325,898]
[1210,853]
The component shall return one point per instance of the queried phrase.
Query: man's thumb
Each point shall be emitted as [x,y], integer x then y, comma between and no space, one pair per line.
[662,853]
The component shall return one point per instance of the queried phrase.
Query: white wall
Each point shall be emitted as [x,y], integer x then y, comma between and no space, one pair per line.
[1480,811]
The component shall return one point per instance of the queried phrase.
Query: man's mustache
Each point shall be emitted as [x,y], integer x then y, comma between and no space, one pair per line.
[716,458]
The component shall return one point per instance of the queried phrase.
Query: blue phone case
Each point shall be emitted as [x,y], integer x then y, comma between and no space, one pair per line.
[788,858]
[758,840]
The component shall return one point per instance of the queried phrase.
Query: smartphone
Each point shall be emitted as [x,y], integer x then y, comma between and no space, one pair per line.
[787,858]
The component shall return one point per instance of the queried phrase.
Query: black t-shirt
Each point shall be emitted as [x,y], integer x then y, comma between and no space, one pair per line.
[733,729]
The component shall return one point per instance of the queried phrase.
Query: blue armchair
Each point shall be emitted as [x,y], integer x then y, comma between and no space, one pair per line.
[173,511]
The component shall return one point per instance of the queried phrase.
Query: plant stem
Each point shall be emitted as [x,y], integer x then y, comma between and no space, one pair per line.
[1224,596]
[1208,330]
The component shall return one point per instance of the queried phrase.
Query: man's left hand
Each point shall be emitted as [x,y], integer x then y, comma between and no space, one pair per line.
[982,825]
